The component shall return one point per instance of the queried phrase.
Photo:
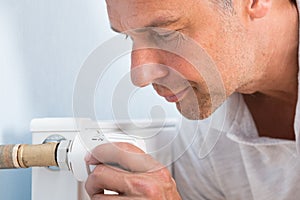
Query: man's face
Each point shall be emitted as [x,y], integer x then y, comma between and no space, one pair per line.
[192,53]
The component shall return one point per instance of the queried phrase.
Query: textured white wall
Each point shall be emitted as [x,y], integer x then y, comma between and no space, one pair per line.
[42,46]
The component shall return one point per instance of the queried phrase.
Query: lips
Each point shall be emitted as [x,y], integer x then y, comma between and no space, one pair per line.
[170,97]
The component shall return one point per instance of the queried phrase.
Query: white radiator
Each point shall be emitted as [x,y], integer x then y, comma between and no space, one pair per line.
[55,184]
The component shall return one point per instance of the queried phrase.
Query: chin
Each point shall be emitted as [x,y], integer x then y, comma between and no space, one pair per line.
[194,112]
[196,106]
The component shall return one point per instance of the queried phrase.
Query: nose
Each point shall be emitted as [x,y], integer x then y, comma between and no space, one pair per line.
[146,67]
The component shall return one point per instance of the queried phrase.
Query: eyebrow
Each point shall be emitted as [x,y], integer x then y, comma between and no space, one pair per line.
[155,23]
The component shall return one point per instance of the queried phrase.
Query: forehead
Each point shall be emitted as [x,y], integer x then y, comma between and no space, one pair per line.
[132,14]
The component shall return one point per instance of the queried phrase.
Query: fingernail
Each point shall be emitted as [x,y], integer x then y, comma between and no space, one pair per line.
[87,157]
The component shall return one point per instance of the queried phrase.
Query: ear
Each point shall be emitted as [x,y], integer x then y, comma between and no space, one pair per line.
[258,8]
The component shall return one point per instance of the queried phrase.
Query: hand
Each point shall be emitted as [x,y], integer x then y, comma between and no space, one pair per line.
[138,177]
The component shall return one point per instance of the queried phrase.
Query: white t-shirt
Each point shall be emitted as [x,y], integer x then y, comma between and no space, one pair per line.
[224,158]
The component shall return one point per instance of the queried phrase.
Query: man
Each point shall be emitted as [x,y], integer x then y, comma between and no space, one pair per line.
[250,48]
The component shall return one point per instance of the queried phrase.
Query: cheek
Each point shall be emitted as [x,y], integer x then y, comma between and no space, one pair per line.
[183,67]
[229,56]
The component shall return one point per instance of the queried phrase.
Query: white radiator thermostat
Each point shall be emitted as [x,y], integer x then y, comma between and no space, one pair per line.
[77,136]
[85,142]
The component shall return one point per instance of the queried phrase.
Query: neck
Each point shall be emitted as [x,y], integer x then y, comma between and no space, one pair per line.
[280,79]
[274,102]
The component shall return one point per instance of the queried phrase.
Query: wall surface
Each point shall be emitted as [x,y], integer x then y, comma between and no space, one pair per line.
[42,47]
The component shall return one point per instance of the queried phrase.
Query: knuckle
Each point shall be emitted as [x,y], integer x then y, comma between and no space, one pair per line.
[167,182]
[164,175]
[147,188]
[98,171]
[153,191]
[150,186]
[153,185]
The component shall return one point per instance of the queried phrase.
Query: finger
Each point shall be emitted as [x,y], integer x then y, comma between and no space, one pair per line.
[92,158]
[110,197]
[126,155]
[106,177]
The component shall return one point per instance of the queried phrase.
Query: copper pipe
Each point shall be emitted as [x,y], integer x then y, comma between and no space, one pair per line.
[24,155]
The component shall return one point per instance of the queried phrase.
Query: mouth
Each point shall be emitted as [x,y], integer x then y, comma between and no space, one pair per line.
[175,97]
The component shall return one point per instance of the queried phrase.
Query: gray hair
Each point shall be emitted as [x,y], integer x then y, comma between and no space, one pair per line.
[224,5]
[227,4]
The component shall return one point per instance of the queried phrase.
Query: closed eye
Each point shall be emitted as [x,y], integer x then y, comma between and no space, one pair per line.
[167,35]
